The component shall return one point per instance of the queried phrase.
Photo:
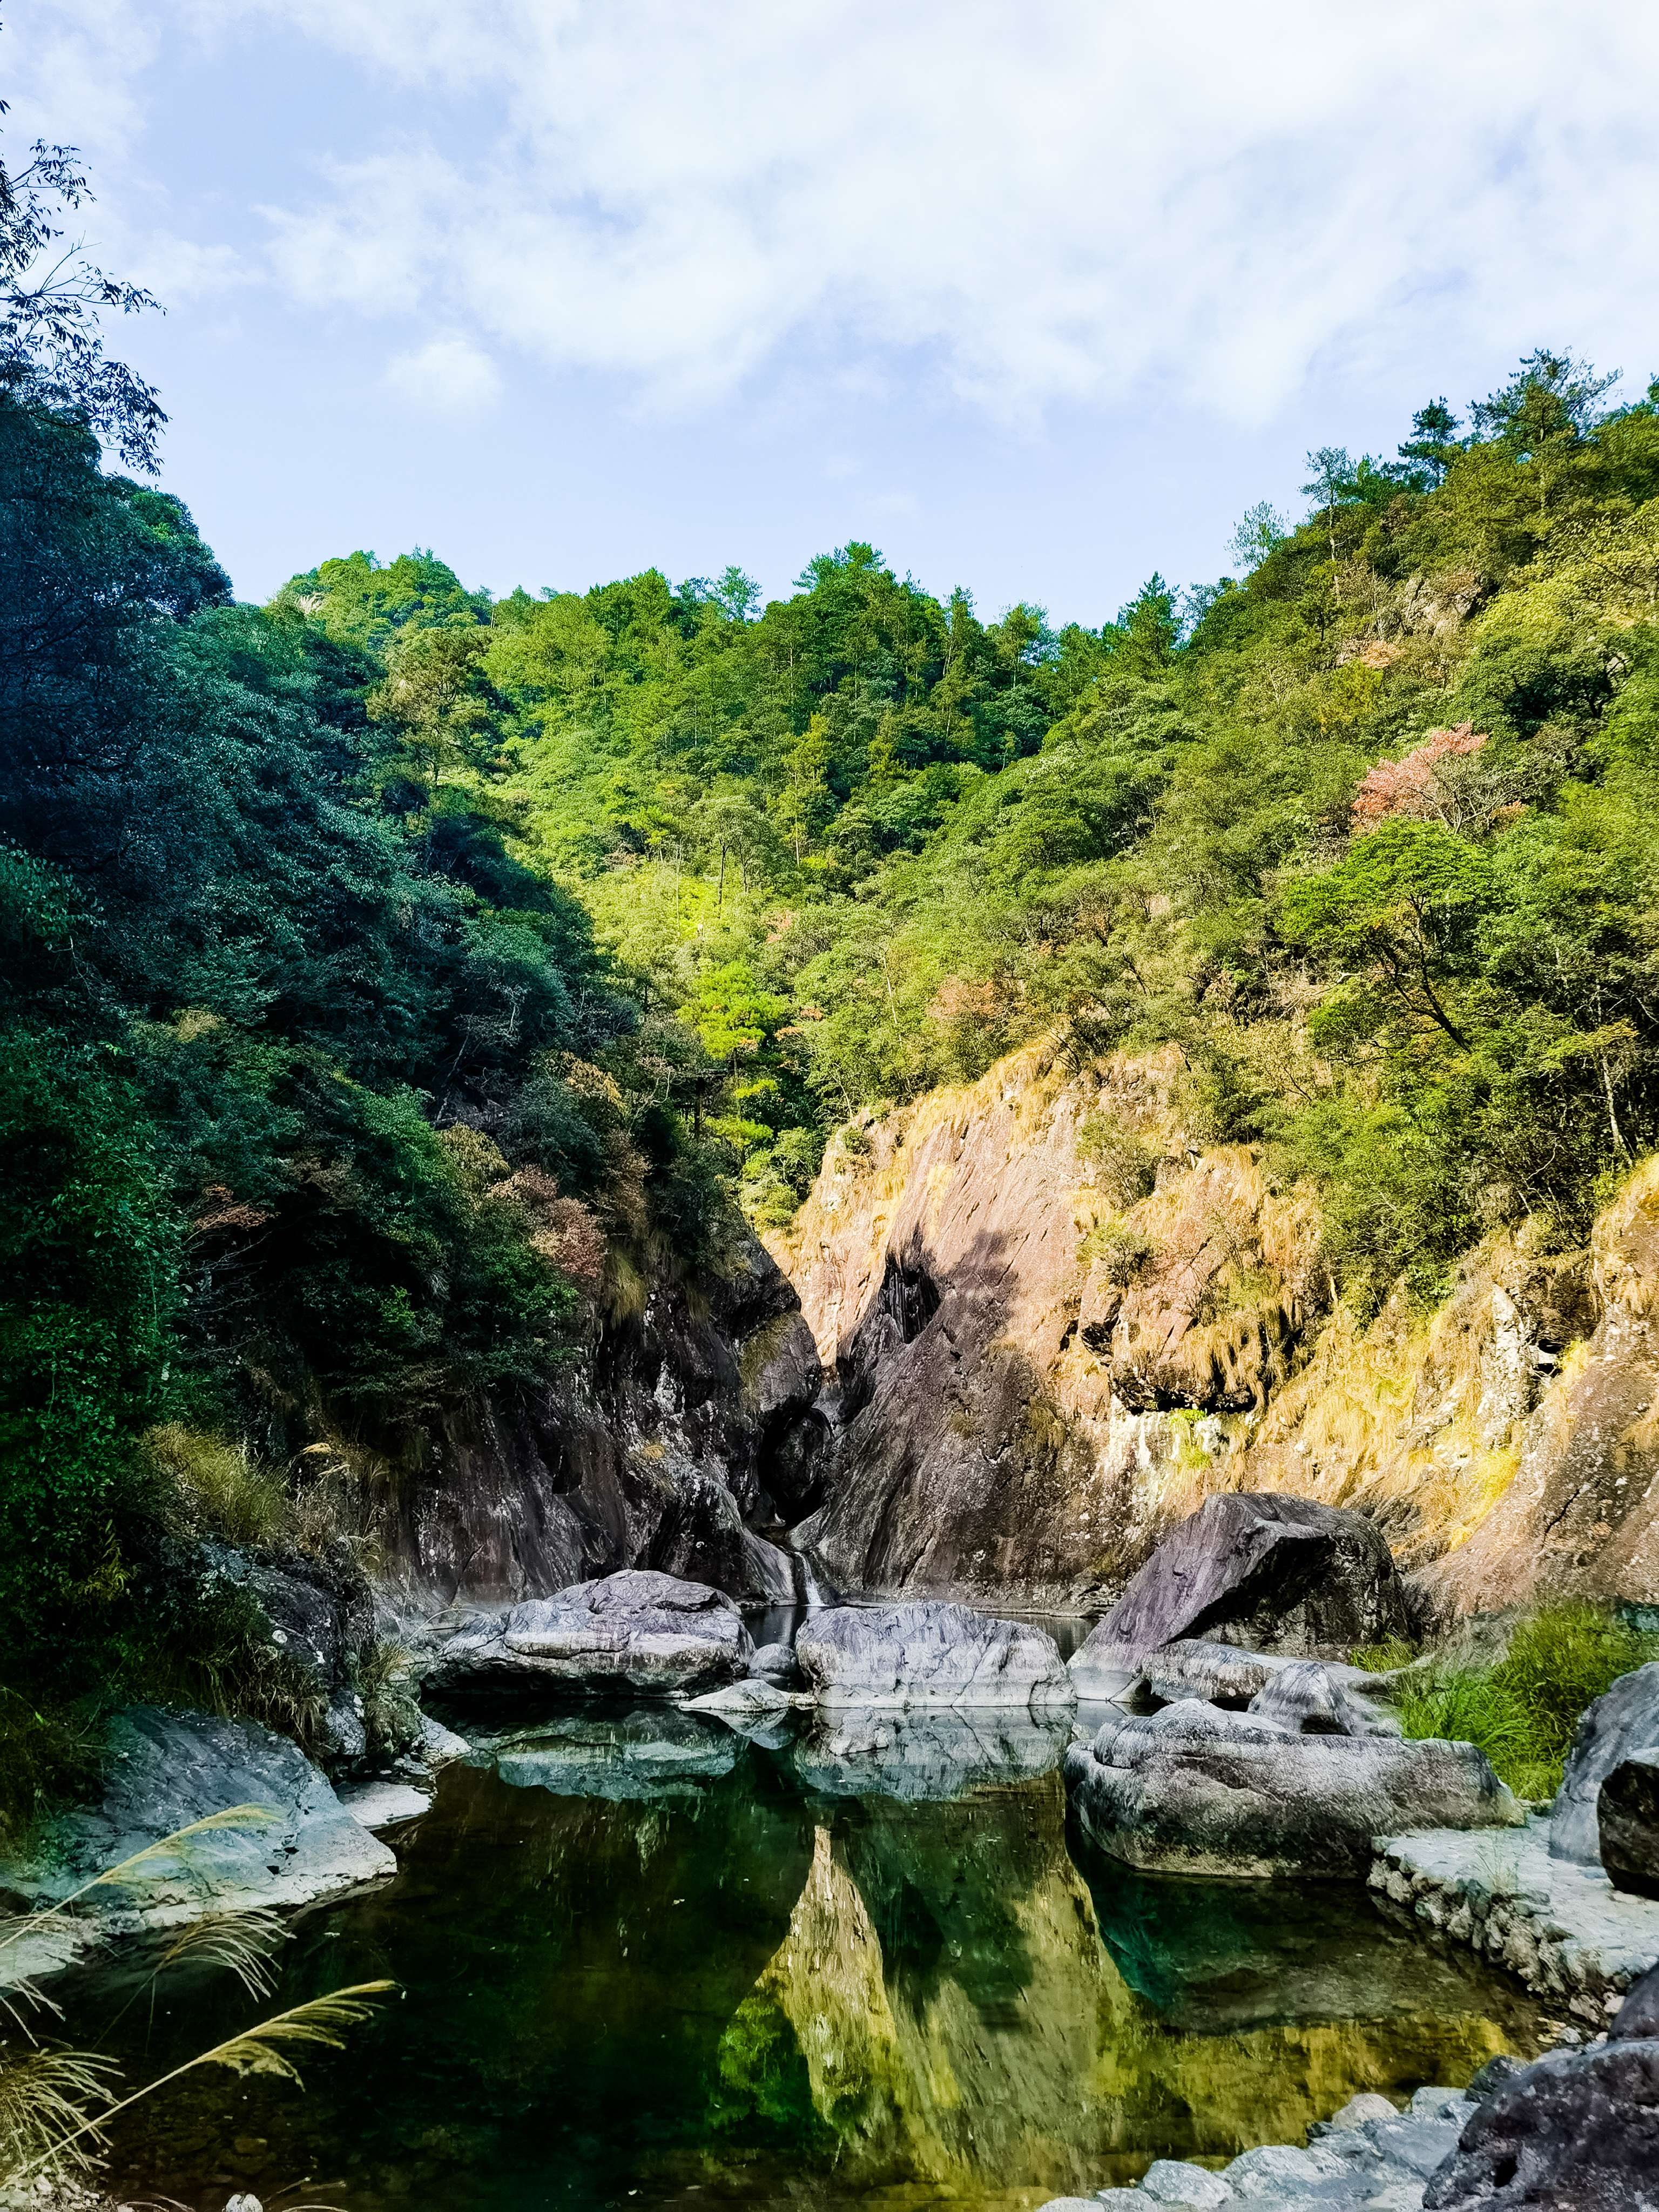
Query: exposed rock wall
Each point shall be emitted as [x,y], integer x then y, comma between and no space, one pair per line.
[658,1448]
[1053,1325]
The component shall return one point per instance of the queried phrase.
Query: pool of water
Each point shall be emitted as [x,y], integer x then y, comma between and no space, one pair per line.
[647,1962]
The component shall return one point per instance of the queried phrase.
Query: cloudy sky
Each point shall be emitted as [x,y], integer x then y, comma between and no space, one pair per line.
[1038,296]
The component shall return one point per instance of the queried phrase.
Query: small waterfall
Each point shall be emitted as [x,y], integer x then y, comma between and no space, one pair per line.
[810,1592]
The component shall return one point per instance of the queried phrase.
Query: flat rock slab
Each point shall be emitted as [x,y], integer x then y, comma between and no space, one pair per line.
[384,1804]
[635,1632]
[1266,1571]
[165,1771]
[1192,1789]
[1562,1928]
[928,1653]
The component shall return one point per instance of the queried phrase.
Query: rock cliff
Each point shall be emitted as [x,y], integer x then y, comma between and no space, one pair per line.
[1053,1324]
[682,1430]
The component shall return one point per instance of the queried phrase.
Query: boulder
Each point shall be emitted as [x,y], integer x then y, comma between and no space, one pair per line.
[752,1699]
[1220,1673]
[1273,1572]
[777,1663]
[1576,2130]
[1307,1699]
[1626,1720]
[1628,1818]
[164,1770]
[927,1653]
[1192,1789]
[637,1630]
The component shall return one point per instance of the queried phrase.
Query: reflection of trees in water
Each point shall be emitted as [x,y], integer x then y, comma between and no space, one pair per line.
[728,1967]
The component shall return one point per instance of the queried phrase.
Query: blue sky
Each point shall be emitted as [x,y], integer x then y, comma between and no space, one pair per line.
[1038,297]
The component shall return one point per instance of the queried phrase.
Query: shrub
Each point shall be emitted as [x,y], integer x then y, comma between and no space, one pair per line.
[1522,1710]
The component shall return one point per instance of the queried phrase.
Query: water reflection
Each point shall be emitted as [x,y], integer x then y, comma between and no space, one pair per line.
[649,1961]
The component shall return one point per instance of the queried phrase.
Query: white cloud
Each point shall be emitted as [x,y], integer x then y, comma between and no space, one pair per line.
[447,376]
[1065,200]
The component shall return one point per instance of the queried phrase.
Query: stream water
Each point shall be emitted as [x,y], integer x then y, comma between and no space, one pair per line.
[647,1962]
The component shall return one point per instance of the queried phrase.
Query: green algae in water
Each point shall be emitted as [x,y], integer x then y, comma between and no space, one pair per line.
[647,1962]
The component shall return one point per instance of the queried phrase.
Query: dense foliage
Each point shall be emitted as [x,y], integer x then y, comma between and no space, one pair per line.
[1364,832]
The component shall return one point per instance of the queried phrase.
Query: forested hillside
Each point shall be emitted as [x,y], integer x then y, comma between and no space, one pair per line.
[1364,829]
[397,978]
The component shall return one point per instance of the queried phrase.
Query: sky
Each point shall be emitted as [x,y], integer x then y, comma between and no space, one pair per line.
[1037,296]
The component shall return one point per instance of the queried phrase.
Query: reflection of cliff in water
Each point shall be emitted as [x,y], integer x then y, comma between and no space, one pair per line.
[642,1955]
[945,2002]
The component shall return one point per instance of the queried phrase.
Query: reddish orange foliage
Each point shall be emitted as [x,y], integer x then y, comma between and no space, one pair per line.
[1406,786]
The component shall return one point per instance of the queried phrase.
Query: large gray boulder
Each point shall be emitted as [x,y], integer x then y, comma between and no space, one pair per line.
[165,1770]
[311,1619]
[928,1653]
[1272,1573]
[1579,2131]
[1628,1818]
[1192,1789]
[1626,1720]
[636,1631]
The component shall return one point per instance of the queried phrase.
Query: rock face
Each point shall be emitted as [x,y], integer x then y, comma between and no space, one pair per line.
[165,1770]
[637,1631]
[1626,1720]
[1053,1323]
[677,1443]
[1579,2131]
[1192,1789]
[929,1655]
[318,1620]
[1627,1815]
[1280,1574]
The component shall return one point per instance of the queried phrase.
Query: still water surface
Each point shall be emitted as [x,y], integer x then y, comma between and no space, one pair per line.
[647,1962]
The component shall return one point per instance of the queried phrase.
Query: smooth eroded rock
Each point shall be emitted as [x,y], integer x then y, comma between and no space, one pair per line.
[627,1758]
[936,1754]
[636,1631]
[1192,1789]
[1272,1572]
[1625,1720]
[1307,1699]
[165,1770]
[927,1653]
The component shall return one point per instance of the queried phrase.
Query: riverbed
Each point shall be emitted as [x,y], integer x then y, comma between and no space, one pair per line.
[644,1961]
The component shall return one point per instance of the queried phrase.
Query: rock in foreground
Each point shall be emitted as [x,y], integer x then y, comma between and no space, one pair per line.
[635,1632]
[167,1769]
[1579,2131]
[1627,1817]
[1274,1573]
[1192,1789]
[927,1653]
[1625,1720]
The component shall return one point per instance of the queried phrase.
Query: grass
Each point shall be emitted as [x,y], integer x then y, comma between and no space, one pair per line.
[1522,1710]
[49,1750]
[230,1493]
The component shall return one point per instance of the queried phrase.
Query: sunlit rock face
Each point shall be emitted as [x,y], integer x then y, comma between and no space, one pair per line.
[1053,1321]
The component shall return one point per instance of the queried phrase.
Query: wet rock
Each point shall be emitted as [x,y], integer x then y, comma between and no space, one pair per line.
[636,1631]
[1275,1573]
[384,1804]
[1193,1789]
[1628,1818]
[752,1699]
[1626,1720]
[1177,2181]
[927,1653]
[165,1770]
